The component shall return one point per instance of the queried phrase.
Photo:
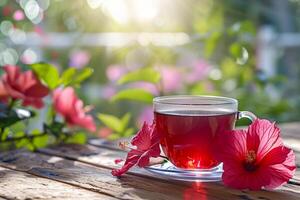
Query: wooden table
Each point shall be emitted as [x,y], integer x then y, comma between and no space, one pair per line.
[83,172]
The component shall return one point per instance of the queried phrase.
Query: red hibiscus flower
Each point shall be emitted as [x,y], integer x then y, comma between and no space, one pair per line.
[256,158]
[22,85]
[71,108]
[147,145]
[3,93]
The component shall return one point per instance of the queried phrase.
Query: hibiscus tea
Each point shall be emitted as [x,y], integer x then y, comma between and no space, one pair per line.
[188,137]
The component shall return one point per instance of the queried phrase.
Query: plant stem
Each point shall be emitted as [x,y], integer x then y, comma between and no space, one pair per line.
[11,104]
[1,133]
[9,108]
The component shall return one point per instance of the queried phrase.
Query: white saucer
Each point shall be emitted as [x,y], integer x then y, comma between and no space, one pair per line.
[168,170]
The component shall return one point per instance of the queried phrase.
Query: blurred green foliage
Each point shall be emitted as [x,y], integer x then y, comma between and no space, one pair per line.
[118,125]
[221,33]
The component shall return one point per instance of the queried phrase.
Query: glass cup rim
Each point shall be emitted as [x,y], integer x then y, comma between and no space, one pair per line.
[224,100]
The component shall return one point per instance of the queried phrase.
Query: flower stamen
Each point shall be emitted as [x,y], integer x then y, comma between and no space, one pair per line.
[250,156]
[249,163]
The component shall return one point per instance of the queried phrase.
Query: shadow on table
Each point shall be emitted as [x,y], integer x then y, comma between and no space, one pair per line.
[204,191]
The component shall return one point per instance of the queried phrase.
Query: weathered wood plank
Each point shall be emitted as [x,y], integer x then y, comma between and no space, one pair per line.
[91,178]
[290,130]
[22,186]
[128,186]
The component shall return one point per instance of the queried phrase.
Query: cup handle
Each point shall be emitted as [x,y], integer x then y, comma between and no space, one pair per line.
[246,114]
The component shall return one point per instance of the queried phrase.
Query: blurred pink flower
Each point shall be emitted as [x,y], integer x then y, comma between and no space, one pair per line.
[104,132]
[171,79]
[199,71]
[22,85]
[39,30]
[114,72]
[108,91]
[150,87]
[3,93]
[145,116]
[71,108]
[18,15]
[79,59]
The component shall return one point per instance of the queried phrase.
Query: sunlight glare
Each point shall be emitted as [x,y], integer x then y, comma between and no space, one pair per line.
[117,9]
[94,3]
[124,10]
[145,10]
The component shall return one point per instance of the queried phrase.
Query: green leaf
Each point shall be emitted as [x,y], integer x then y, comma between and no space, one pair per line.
[128,132]
[55,128]
[125,120]
[21,143]
[77,138]
[47,73]
[9,118]
[111,121]
[5,134]
[67,76]
[114,136]
[134,94]
[82,75]
[211,43]
[145,74]
[40,141]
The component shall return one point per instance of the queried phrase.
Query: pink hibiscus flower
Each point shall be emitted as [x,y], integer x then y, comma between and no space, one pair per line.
[18,15]
[256,158]
[22,85]
[114,72]
[147,145]
[171,79]
[200,70]
[145,116]
[79,59]
[71,108]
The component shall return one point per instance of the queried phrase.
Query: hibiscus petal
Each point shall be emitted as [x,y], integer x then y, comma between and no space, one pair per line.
[117,161]
[12,72]
[279,155]
[235,176]
[65,101]
[278,175]
[235,147]
[131,160]
[86,122]
[147,144]
[144,160]
[3,92]
[268,133]
[142,140]
[35,102]
[9,87]
[33,87]
[25,81]
[124,169]
[279,165]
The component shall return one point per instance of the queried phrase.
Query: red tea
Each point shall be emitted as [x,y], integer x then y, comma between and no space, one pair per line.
[188,137]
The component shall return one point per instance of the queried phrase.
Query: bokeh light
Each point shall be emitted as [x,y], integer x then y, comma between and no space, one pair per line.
[29,56]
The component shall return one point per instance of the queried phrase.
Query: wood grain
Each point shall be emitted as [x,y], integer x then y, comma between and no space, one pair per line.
[22,186]
[129,186]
